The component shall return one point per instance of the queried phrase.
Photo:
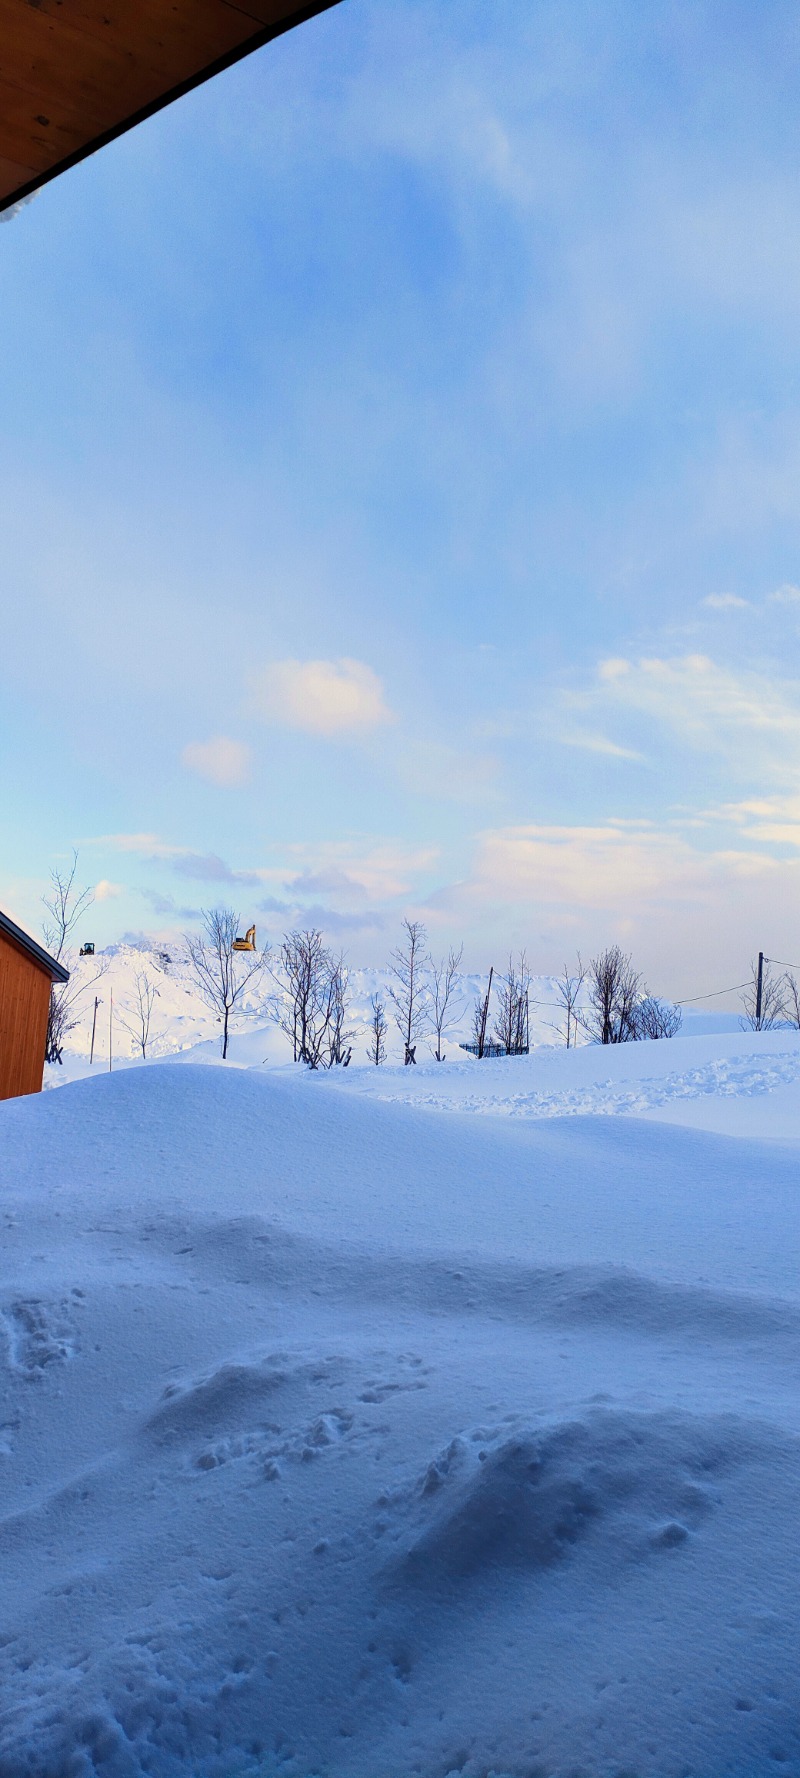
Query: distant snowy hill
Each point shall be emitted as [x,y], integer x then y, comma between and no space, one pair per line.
[183,1027]
[181,1020]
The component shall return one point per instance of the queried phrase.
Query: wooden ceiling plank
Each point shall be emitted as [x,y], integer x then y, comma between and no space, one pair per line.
[69,84]
[168,36]
[68,61]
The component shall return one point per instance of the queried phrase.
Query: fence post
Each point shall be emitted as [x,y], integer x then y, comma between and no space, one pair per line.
[482,1037]
[759,985]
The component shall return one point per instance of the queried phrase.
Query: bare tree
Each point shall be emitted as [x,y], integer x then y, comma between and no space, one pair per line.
[140,1010]
[614,992]
[407,991]
[310,1006]
[657,1018]
[376,1048]
[791,1001]
[222,974]
[772,1010]
[339,1039]
[568,988]
[300,975]
[63,907]
[511,1023]
[443,983]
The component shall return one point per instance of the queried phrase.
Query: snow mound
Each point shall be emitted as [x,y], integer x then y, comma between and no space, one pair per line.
[635,1483]
[339,1438]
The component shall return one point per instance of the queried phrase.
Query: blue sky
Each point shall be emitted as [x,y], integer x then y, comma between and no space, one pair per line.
[400,491]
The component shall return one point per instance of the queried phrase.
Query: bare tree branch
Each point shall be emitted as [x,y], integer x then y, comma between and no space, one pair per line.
[407,991]
[657,1018]
[64,906]
[568,988]
[311,1004]
[140,1010]
[791,1001]
[512,1020]
[376,1049]
[220,972]
[614,990]
[773,995]
[443,983]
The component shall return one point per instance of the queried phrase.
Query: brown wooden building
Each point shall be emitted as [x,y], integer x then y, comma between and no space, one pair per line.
[27,974]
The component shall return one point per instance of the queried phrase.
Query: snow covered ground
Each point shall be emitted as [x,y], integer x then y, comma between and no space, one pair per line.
[404,1422]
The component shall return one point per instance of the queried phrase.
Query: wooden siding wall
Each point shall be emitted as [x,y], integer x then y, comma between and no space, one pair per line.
[24,1000]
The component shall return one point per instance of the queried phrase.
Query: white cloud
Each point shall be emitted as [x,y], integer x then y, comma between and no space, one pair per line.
[785,595]
[772,820]
[593,743]
[220,761]
[725,602]
[106,891]
[321,697]
[752,719]
[380,872]
[148,845]
[611,867]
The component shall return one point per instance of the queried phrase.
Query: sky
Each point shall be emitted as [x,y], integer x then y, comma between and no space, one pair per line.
[400,493]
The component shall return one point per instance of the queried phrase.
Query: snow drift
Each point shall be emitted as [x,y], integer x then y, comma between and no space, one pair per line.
[343,1438]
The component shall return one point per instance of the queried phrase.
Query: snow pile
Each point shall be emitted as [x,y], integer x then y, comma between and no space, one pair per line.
[709,1082]
[343,1437]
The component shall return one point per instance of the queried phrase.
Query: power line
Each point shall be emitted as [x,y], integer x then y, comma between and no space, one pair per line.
[692,999]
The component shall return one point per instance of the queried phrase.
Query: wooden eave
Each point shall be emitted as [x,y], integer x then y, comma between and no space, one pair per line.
[74,74]
[36,953]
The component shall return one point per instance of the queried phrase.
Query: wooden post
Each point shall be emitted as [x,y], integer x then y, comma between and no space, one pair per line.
[94,1028]
[759,985]
[485,1015]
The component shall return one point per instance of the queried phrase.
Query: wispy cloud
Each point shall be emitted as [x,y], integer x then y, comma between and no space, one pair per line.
[333,921]
[340,697]
[785,595]
[220,761]
[380,873]
[725,602]
[166,905]
[207,867]
[593,743]
[751,719]
[147,845]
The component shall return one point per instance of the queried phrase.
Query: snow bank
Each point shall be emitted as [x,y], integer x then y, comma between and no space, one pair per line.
[341,1438]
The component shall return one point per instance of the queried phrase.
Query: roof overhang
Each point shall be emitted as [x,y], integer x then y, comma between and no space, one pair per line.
[37,954]
[75,74]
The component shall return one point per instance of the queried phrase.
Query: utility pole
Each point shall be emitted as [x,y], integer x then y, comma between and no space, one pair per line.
[759,986]
[485,1015]
[110,1026]
[94,1028]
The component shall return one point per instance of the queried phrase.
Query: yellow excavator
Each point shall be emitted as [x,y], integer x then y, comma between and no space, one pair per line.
[248,943]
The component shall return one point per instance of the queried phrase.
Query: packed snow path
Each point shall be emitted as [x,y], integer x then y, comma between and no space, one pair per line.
[343,1438]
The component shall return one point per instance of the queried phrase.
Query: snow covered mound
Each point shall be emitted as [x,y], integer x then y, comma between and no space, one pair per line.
[742,1082]
[340,1438]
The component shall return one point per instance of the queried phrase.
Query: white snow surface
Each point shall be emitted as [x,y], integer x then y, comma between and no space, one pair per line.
[404,1421]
